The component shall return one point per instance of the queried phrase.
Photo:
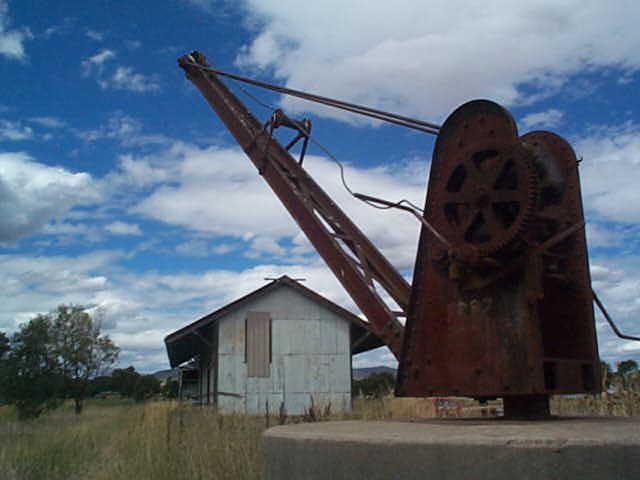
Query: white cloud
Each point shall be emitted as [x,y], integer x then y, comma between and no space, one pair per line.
[11,41]
[139,308]
[617,283]
[123,228]
[122,128]
[119,77]
[95,64]
[125,78]
[32,193]
[218,191]
[193,248]
[610,173]
[548,119]
[265,245]
[49,122]
[14,131]
[94,35]
[424,61]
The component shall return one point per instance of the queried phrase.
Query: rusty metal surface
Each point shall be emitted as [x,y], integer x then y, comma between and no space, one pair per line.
[354,260]
[506,312]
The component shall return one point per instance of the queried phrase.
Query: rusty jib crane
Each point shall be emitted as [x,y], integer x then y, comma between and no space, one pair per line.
[501,303]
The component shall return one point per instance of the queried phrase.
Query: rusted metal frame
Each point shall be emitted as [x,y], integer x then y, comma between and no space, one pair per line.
[362,264]
[360,340]
[250,134]
[372,261]
[337,258]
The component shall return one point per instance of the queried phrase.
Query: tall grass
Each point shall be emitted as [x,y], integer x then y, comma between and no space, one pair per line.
[159,440]
[165,440]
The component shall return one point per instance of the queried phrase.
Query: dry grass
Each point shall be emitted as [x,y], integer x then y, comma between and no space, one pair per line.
[622,404]
[164,440]
[159,440]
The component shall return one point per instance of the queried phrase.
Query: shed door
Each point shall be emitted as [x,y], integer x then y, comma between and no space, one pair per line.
[258,344]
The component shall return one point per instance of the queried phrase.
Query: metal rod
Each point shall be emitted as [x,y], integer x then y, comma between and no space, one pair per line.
[408,122]
[610,321]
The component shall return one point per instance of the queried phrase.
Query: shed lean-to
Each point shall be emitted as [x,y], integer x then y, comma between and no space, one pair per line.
[281,345]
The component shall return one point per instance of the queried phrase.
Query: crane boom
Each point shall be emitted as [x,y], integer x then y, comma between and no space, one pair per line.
[354,260]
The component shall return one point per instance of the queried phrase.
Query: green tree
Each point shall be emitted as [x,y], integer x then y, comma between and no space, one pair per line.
[627,372]
[607,375]
[146,387]
[53,357]
[83,352]
[124,380]
[30,375]
[170,388]
[4,346]
[375,385]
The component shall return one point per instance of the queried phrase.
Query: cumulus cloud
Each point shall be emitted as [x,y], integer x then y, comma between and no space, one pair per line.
[424,61]
[123,128]
[218,191]
[33,193]
[49,122]
[193,248]
[14,131]
[610,172]
[122,228]
[94,35]
[548,119]
[138,308]
[95,64]
[11,40]
[617,283]
[116,77]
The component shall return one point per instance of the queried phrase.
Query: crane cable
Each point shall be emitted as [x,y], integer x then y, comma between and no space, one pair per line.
[374,202]
[401,120]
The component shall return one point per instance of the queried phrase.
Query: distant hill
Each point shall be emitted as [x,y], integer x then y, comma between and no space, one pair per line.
[360,373]
[162,375]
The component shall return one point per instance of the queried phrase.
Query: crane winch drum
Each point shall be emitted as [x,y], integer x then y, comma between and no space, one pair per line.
[504,308]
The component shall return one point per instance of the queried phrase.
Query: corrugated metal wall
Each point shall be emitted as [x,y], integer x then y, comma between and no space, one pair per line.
[310,357]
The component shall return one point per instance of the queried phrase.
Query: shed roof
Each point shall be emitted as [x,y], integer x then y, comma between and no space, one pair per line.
[185,343]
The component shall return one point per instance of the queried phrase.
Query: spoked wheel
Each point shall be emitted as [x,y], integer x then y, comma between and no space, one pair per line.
[487,197]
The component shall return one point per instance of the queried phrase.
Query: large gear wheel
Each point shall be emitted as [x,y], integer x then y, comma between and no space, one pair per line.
[487,196]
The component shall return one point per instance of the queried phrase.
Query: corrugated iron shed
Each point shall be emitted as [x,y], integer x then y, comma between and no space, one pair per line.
[187,342]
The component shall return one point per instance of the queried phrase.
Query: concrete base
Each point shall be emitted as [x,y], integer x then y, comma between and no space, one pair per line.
[569,448]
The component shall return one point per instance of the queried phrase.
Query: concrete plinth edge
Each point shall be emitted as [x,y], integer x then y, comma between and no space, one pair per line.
[568,448]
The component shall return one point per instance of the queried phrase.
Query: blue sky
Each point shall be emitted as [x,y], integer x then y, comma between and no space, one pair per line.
[120,188]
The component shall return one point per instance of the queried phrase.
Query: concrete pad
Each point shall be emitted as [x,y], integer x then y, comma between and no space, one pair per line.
[566,448]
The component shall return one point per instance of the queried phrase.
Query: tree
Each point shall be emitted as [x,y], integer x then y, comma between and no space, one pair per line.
[82,351]
[170,388]
[124,380]
[146,387]
[626,373]
[375,385]
[607,375]
[627,367]
[53,357]
[30,377]
[4,346]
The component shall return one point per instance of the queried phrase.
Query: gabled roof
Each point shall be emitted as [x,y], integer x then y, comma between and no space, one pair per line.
[185,343]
